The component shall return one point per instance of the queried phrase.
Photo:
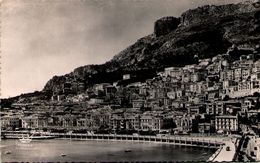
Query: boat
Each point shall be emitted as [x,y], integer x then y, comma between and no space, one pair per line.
[34,136]
[41,136]
[8,152]
[25,139]
[63,155]
[128,150]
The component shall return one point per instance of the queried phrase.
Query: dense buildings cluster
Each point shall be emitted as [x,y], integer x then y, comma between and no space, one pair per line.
[213,96]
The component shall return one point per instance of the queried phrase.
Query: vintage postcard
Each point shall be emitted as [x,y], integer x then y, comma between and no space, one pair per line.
[130,80]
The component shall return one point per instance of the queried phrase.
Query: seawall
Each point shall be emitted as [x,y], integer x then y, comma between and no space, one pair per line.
[205,142]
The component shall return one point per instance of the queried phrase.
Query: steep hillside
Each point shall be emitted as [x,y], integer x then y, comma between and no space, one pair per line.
[203,32]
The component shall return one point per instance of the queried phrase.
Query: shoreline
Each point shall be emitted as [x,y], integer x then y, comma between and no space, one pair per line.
[113,150]
[113,140]
[217,143]
[191,141]
[179,140]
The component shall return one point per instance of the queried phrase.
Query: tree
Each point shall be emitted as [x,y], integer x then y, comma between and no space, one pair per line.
[256,94]
[169,124]
[226,98]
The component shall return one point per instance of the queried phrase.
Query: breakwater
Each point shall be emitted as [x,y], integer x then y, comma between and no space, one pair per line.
[176,140]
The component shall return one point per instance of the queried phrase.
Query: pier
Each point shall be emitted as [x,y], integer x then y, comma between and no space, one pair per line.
[176,140]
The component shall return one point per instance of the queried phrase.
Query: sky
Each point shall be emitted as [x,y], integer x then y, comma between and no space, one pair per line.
[43,38]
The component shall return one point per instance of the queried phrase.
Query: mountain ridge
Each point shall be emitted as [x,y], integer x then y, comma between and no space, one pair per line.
[199,33]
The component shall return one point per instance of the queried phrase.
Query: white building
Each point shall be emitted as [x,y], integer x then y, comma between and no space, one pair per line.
[34,121]
[226,123]
[150,123]
[10,122]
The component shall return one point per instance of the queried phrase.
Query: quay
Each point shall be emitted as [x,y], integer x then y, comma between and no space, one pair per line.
[176,140]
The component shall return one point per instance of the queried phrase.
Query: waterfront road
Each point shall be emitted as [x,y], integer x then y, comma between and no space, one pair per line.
[227,152]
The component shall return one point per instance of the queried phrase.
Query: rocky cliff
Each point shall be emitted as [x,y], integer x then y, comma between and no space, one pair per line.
[203,32]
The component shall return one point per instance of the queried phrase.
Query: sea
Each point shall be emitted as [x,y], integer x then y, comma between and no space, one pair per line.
[57,150]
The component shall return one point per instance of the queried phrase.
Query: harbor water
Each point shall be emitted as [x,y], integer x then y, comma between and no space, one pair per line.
[89,150]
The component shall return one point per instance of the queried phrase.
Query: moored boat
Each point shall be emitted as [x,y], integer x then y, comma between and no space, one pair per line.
[25,139]
[34,136]
[63,155]
[128,150]
[8,152]
[40,136]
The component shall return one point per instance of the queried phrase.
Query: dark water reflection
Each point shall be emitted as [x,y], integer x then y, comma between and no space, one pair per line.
[51,150]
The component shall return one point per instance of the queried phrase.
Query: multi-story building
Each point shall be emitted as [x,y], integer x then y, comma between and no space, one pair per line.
[198,87]
[116,122]
[94,101]
[132,122]
[186,77]
[69,121]
[82,123]
[180,93]
[11,122]
[238,74]
[152,123]
[226,74]
[100,120]
[100,87]
[173,72]
[222,107]
[204,127]
[226,123]
[211,108]
[256,67]
[216,108]
[34,121]
[196,109]
[138,103]
[185,124]
[110,90]
[246,72]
